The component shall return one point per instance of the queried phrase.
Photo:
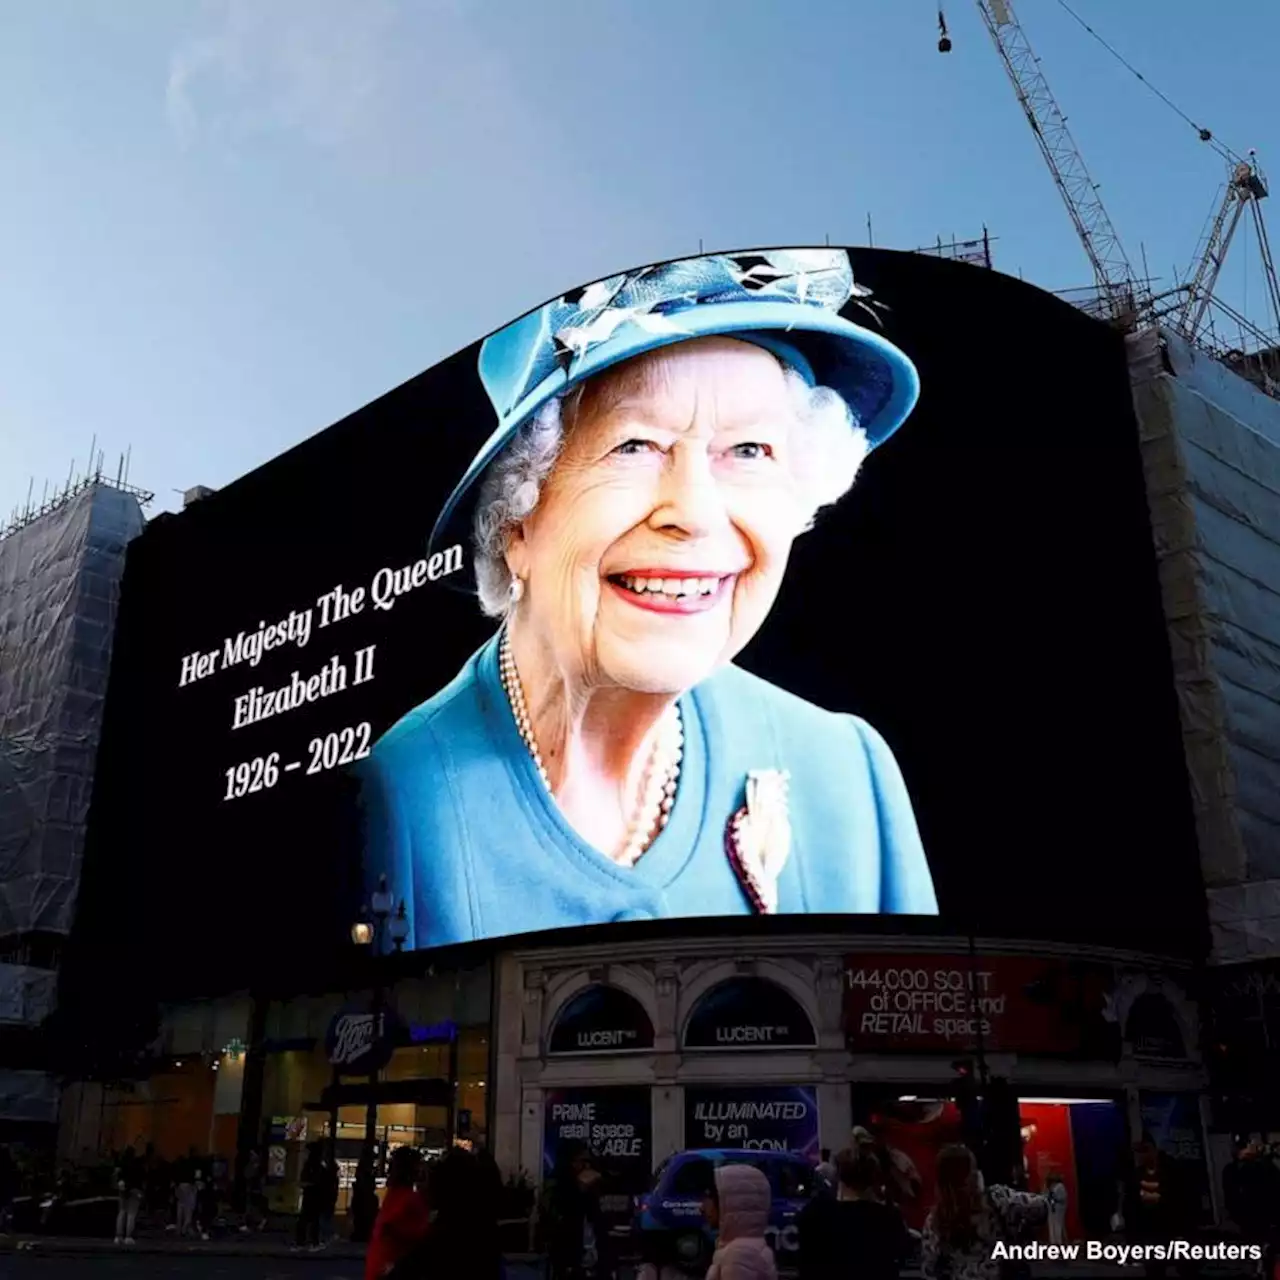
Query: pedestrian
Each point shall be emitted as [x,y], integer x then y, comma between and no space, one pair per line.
[255,1208]
[577,1228]
[462,1241]
[1149,1212]
[737,1208]
[1056,1193]
[403,1220]
[129,1186]
[8,1187]
[185,1195]
[329,1187]
[154,1191]
[312,1179]
[899,1178]
[1251,1186]
[362,1207]
[206,1200]
[855,1230]
[492,1175]
[826,1171]
[969,1218]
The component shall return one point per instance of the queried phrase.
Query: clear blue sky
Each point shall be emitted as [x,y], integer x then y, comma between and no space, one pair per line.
[225,225]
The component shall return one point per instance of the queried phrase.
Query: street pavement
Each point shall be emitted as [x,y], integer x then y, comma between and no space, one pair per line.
[119,1265]
[32,1265]
[265,1258]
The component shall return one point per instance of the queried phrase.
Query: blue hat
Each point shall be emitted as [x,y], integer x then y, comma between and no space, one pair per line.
[785,300]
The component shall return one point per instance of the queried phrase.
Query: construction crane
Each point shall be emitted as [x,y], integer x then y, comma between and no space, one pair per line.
[1123,298]
[1246,189]
[1112,273]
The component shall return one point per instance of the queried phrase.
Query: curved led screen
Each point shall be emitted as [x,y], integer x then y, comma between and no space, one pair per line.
[755,584]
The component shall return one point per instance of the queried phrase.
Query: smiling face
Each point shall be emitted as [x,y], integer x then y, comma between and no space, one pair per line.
[661,536]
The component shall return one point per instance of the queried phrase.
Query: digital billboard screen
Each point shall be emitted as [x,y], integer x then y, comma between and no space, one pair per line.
[772,583]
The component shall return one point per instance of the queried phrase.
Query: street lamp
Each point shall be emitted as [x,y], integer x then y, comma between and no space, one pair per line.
[368,933]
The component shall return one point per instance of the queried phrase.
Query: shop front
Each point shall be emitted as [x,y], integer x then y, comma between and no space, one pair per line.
[424,1063]
[186,1096]
[635,1053]
[1073,1041]
[637,1056]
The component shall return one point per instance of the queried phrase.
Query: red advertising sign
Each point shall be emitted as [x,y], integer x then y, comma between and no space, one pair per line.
[929,1003]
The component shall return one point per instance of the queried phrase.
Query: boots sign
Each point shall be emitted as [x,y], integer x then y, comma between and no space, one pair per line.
[360,1042]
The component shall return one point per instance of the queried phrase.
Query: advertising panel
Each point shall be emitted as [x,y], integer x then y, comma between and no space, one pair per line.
[772,583]
[937,1003]
[614,1127]
[753,1118]
[1172,1122]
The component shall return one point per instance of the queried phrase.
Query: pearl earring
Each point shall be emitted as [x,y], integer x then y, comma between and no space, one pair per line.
[516,591]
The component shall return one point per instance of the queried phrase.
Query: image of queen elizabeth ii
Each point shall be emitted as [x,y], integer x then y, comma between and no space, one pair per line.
[662,439]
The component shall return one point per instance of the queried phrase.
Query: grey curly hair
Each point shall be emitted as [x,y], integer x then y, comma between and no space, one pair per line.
[833,447]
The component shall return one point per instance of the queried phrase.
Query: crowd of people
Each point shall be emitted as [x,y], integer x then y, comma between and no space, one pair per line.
[441,1217]
[185,1196]
[850,1226]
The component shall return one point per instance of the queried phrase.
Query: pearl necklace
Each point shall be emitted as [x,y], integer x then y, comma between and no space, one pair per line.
[662,777]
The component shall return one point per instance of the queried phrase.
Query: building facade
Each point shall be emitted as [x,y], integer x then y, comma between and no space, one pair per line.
[1211,452]
[643,1051]
[60,572]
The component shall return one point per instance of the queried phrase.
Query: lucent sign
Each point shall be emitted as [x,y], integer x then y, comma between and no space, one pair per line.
[601,1019]
[749,1013]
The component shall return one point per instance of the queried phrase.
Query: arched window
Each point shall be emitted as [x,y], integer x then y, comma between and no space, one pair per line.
[749,1013]
[1153,1028]
[601,1019]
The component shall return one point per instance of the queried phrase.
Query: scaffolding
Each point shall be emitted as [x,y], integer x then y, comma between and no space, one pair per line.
[975,252]
[34,509]
[61,563]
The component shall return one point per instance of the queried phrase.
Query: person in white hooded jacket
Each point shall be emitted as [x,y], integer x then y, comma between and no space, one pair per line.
[739,1209]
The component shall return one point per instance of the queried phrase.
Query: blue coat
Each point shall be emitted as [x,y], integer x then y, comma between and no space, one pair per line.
[461,825]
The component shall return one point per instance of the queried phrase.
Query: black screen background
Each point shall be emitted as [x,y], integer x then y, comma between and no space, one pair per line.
[986,597]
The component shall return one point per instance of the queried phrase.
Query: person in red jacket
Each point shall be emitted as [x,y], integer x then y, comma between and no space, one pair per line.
[403,1220]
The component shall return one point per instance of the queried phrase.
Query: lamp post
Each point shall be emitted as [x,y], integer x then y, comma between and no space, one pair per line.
[368,933]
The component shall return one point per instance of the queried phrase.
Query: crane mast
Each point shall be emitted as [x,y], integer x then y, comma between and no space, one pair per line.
[1246,189]
[1112,272]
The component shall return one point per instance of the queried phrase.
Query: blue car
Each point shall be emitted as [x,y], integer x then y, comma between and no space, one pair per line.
[670,1229]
